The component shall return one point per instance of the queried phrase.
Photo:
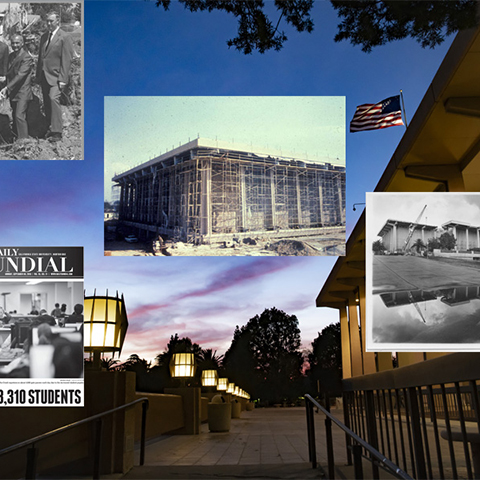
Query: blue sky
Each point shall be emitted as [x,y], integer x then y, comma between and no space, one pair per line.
[136,49]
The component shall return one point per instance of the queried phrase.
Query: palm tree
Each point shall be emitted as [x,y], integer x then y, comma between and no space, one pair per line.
[418,245]
[210,360]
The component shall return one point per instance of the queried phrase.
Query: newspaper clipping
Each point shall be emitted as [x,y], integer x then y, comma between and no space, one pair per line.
[41,326]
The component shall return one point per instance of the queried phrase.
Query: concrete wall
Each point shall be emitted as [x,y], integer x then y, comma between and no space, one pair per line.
[72,451]
[204,409]
[462,256]
[165,414]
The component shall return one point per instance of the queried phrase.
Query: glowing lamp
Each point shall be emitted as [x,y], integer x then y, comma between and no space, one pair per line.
[105,324]
[209,378]
[222,384]
[182,365]
[231,388]
[237,391]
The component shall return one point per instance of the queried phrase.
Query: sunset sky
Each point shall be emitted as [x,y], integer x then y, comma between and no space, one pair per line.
[136,49]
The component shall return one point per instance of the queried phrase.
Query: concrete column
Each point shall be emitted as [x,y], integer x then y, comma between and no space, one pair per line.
[191,408]
[408,358]
[299,201]
[104,391]
[243,197]
[320,198]
[368,357]
[478,237]
[466,238]
[384,361]
[345,336]
[394,237]
[356,350]
[272,197]
[341,211]
[206,206]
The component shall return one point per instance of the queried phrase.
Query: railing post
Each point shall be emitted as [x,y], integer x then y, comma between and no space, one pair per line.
[97,449]
[417,433]
[312,454]
[32,454]
[346,421]
[372,428]
[329,438]
[144,424]
[357,461]
[330,456]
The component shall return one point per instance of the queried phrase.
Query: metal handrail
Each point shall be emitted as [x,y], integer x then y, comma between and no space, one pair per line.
[31,456]
[388,464]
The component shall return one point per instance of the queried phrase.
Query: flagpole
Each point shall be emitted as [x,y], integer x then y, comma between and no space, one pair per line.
[403,107]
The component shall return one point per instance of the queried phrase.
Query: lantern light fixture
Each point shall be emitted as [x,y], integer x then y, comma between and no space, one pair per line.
[105,324]
[209,378]
[182,365]
[222,384]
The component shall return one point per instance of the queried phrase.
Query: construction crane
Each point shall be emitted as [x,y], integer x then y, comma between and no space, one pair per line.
[414,303]
[412,229]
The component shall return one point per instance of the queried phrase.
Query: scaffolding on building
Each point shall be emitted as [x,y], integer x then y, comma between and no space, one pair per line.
[202,194]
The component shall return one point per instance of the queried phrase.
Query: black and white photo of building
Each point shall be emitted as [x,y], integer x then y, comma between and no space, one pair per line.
[423,271]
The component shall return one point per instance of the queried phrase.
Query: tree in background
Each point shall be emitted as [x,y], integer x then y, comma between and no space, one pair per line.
[141,367]
[378,247]
[432,244]
[264,356]
[368,23]
[209,360]
[447,241]
[325,361]
[418,245]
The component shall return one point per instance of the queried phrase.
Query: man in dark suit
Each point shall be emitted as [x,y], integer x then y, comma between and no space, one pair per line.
[19,87]
[53,72]
[3,61]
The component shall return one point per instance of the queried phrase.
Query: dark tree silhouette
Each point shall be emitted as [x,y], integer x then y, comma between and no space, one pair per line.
[264,356]
[325,360]
[418,245]
[208,360]
[369,23]
[373,23]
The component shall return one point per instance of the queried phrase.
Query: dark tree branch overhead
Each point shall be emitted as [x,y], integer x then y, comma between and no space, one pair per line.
[371,23]
[255,30]
[368,23]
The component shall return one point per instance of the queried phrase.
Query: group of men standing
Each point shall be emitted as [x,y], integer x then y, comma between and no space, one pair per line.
[52,74]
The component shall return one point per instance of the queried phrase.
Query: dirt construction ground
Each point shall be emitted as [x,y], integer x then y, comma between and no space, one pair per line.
[303,246]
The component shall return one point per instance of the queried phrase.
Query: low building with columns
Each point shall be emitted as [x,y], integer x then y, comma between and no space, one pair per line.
[395,232]
[467,236]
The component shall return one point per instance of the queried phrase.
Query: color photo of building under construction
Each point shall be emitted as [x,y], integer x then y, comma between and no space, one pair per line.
[211,192]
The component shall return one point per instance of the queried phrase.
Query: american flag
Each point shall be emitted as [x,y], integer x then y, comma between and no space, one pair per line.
[372,116]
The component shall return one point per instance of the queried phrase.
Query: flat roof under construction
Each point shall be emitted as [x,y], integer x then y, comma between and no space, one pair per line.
[228,146]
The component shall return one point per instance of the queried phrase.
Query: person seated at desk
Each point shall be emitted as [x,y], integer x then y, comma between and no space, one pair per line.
[4,316]
[77,316]
[56,312]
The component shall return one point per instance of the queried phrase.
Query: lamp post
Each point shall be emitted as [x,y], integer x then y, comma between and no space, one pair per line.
[182,365]
[105,325]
